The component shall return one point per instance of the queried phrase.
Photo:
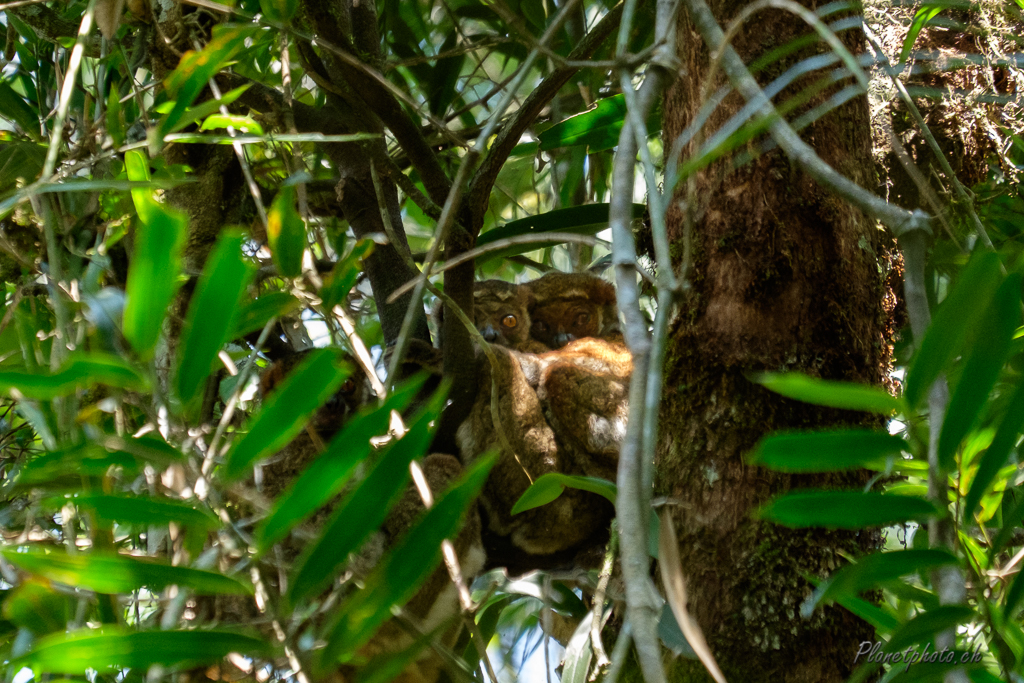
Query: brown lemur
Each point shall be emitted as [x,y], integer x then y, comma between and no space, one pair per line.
[533,447]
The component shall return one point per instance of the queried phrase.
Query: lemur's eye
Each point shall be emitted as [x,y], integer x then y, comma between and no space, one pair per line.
[583,319]
[509,321]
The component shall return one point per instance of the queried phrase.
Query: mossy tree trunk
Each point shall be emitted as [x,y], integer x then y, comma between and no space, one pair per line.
[786,277]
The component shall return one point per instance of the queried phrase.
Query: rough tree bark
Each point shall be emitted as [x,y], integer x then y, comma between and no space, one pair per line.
[786,276]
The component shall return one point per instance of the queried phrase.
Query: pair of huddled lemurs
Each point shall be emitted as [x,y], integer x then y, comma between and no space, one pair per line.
[562,376]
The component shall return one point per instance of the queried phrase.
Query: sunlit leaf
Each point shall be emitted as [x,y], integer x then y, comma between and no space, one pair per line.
[111,573]
[286,410]
[286,233]
[244,124]
[196,69]
[550,486]
[924,14]
[100,649]
[153,273]
[823,392]
[825,451]
[80,372]
[844,509]
[924,626]
[211,313]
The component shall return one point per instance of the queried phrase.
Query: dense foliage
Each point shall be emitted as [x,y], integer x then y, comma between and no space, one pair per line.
[146,532]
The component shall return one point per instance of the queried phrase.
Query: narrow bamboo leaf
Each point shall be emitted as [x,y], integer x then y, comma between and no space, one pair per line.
[88,460]
[287,410]
[328,474]
[115,123]
[362,510]
[844,509]
[196,69]
[985,360]
[825,451]
[112,573]
[822,392]
[142,511]
[550,486]
[286,233]
[926,13]
[19,160]
[444,78]
[875,569]
[869,612]
[588,219]
[101,649]
[412,560]
[153,273]
[147,448]
[244,124]
[258,312]
[598,127]
[80,372]
[924,626]
[343,276]
[211,313]
[956,316]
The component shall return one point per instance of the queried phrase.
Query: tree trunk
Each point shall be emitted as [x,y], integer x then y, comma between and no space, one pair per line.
[786,277]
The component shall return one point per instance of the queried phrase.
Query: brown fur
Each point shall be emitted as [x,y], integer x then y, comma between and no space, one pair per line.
[568,306]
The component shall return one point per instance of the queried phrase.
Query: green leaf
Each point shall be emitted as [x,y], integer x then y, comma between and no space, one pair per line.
[100,649]
[243,124]
[998,451]
[363,509]
[211,313]
[115,123]
[823,392]
[598,127]
[37,607]
[195,70]
[327,475]
[926,13]
[286,233]
[825,451]
[142,511]
[986,358]
[14,108]
[153,273]
[550,486]
[203,109]
[844,509]
[286,411]
[112,573]
[956,316]
[19,160]
[280,11]
[401,571]
[81,371]
[343,276]
[588,219]
[874,569]
[924,626]
[257,313]
[1014,595]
